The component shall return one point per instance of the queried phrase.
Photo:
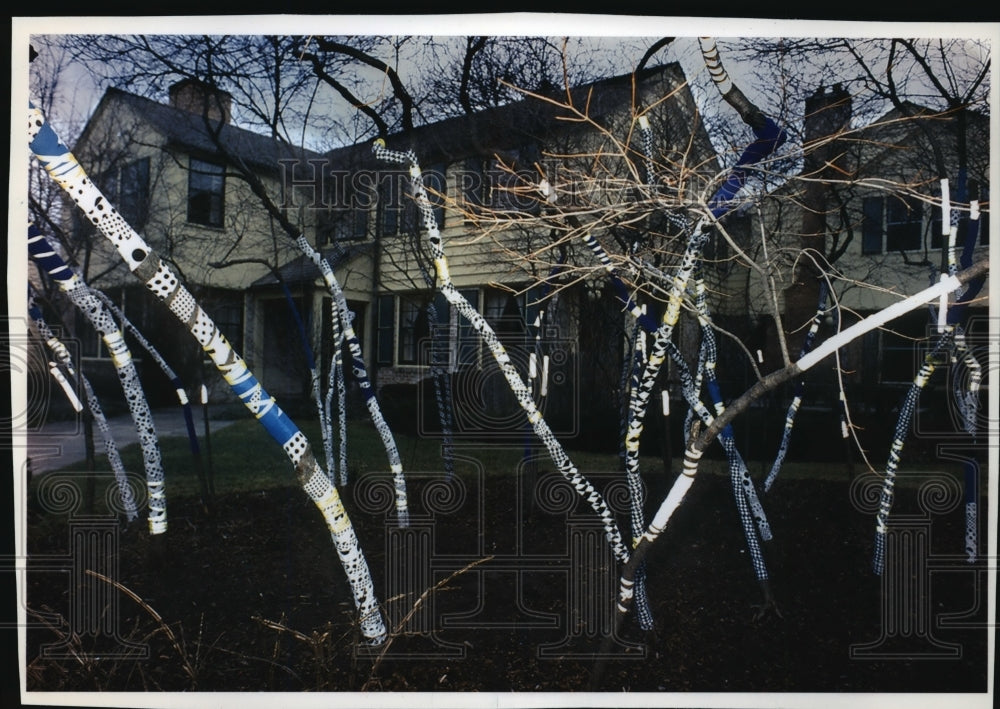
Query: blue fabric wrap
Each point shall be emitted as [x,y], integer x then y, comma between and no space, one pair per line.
[188,419]
[274,421]
[310,360]
[360,373]
[47,259]
[645,321]
[769,138]
[972,233]
[716,394]
[46,142]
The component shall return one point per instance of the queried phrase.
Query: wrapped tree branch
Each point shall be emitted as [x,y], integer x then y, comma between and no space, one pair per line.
[64,168]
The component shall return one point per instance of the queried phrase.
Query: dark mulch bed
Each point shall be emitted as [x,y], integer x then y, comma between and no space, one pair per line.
[256,600]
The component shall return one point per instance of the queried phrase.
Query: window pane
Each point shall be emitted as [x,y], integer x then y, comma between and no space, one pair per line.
[360,224]
[473,183]
[389,204]
[871,226]
[414,328]
[206,193]
[226,310]
[904,219]
[439,313]
[134,200]
[385,327]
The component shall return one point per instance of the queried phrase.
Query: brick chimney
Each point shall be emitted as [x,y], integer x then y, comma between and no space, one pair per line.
[198,97]
[827,113]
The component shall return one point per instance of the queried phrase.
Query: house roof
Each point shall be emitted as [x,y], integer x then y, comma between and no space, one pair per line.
[510,126]
[486,132]
[188,130]
[908,126]
[302,270]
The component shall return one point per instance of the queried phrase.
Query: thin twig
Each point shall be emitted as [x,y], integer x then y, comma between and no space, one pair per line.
[156,616]
[419,602]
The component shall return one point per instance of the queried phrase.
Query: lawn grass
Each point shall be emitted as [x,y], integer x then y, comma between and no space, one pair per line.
[244,457]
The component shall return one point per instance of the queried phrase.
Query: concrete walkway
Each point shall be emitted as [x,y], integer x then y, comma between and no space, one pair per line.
[60,444]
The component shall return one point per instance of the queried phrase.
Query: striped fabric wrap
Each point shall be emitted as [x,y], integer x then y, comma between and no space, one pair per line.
[141,260]
[713,62]
[478,323]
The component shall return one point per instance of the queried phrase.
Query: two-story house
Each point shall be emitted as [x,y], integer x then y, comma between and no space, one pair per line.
[173,176]
[175,170]
[865,209]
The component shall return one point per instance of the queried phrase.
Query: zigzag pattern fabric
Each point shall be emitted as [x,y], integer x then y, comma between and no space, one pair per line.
[638,403]
[899,439]
[64,168]
[336,382]
[45,256]
[637,497]
[93,405]
[629,363]
[769,137]
[748,504]
[521,392]
[631,373]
